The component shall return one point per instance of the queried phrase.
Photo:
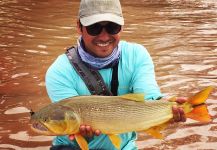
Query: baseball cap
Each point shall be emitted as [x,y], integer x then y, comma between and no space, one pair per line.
[93,11]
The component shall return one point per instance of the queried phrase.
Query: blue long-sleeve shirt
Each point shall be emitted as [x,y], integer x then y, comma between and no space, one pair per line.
[135,75]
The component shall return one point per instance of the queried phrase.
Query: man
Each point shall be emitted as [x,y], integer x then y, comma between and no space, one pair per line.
[99,24]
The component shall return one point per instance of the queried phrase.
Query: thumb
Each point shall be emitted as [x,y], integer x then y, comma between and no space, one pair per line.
[71,137]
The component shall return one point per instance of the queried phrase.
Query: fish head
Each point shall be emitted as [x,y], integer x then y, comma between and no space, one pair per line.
[55,120]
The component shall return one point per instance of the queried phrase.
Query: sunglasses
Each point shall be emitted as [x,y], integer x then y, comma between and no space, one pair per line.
[96,29]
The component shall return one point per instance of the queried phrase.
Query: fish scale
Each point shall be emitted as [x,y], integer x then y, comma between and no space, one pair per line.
[100,113]
[115,115]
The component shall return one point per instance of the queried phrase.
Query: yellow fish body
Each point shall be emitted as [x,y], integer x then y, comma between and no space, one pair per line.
[114,115]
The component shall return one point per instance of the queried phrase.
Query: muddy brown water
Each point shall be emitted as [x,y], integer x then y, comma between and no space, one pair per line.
[181,37]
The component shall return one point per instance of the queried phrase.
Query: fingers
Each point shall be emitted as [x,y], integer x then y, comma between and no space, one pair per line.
[97,132]
[178,114]
[87,131]
[181,100]
[82,130]
[71,137]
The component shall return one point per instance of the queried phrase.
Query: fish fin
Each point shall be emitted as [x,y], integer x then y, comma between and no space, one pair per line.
[199,113]
[116,141]
[72,118]
[81,142]
[172,99]
[155,131]
[134,97]
[200,97]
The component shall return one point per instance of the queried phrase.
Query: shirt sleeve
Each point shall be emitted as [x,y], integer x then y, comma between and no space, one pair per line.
[143,80]
[60,80]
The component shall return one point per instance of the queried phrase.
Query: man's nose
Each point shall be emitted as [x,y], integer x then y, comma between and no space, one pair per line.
[104,35]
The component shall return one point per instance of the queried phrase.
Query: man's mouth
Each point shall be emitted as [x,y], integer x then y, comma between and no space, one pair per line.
[103,44]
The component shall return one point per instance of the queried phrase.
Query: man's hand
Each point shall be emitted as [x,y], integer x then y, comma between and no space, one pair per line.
[86,131]
[178,112]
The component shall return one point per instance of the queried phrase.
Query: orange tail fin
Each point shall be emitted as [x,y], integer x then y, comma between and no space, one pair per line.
[200,111]
[200,97]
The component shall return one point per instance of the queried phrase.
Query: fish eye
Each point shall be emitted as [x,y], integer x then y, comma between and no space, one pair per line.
[45,119]
[31,112]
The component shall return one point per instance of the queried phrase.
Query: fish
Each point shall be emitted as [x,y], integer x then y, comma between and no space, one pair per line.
[113,115]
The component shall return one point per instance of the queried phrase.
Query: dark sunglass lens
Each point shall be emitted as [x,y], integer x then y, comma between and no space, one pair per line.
[94,29]
[113,28]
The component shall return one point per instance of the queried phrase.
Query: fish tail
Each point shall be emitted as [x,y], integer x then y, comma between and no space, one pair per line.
[197,102]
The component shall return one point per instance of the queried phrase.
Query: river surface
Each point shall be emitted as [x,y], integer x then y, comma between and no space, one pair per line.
[181,36]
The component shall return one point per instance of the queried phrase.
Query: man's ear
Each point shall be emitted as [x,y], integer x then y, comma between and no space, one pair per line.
[79,27]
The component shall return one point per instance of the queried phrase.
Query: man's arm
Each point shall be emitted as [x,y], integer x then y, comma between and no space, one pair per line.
[144,81]
[60,80]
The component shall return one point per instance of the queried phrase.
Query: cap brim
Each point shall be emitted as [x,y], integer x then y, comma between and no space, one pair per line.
[86,21]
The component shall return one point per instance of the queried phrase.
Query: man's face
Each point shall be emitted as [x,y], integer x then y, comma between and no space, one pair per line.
[102,44]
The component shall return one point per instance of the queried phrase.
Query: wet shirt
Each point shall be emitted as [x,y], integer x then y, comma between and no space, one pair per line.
[135,75]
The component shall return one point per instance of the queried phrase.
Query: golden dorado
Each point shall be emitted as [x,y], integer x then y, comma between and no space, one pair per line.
[114,115]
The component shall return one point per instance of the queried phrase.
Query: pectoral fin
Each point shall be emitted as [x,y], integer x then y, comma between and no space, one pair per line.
[155,131]
[81,142]
[116,141]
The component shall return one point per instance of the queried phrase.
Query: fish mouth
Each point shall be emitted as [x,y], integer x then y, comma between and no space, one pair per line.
[39,127]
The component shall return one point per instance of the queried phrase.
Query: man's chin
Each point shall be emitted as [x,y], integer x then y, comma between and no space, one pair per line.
[103,54]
